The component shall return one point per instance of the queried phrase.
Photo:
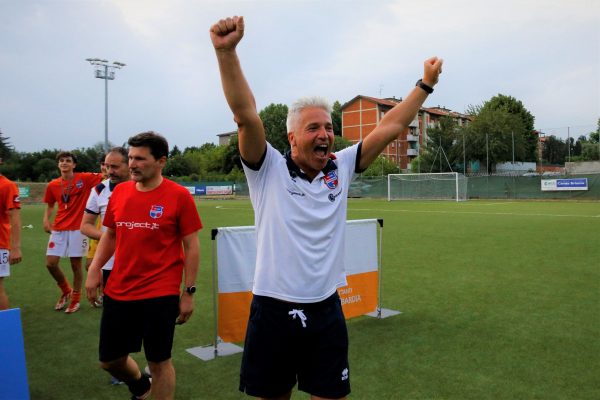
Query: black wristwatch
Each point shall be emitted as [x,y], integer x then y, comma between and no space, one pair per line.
[424,86]
[190,290]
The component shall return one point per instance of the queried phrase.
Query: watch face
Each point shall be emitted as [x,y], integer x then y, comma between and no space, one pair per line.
[191,289]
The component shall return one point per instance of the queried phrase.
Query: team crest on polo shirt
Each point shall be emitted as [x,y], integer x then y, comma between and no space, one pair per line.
[79,184]
[331,179]
[156,211]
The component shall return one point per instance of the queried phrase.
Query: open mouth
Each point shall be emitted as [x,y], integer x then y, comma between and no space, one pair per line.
[322,150]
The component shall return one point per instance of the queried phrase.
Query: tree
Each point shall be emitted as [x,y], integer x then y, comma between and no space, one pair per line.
[516,107]
[175,151]
[231,157]
[595,136]
[439,154]
[381,167]
[489,138]
[177,166]
[590,151]
[274,118]
[45,169]
[579,146]
[340,143]
[336,118]
[6,149]
[554,150]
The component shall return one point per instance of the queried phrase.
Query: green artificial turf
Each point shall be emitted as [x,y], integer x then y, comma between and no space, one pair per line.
[499,300]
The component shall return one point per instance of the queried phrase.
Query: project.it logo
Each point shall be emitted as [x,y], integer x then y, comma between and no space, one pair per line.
[156,211]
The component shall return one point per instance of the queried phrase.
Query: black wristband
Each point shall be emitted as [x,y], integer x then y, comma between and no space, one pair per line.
[424,86]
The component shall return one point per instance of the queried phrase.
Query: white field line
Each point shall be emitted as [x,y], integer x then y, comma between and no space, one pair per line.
[479,213]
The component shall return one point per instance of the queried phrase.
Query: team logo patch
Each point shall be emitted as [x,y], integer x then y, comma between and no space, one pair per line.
[79,184]
[51,245]
[156,211]
[331,179]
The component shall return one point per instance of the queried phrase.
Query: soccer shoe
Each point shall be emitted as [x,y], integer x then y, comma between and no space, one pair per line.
[147,394]
[73,307]
[98,302]
[142,397]
[64,298]
[115,381]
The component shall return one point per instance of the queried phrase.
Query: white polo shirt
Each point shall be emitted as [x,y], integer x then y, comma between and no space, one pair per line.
[97,203]
[300,226]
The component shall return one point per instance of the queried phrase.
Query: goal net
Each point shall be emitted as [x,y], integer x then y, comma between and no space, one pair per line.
[427,186]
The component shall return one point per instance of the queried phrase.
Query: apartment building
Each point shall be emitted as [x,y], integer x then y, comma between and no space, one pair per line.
[363,113]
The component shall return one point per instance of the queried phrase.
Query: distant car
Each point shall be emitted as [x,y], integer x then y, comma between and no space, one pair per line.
[531,174]
[551,173]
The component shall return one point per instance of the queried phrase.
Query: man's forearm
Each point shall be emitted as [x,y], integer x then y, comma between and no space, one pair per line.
[191,250]
[235,86]
[88,227]
[105,250]
[14,217]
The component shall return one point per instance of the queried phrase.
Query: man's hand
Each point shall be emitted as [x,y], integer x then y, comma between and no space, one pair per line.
[47,227]
[432,71]
[15,256]
[93,283]
[227,33]
[186,308]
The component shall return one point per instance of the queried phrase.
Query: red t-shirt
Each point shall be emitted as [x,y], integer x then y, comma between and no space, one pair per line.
[9,199]
[71,196]
[149,227]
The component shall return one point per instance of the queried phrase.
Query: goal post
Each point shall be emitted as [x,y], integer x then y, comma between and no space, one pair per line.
[427,186]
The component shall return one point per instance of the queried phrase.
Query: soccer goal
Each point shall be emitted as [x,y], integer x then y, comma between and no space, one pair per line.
[427,186]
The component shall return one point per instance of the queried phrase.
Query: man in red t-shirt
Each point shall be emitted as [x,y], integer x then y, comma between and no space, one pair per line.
[151,227]
[10,232]
[70,191]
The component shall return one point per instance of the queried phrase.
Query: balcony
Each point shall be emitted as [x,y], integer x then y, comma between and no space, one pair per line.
[412,152]
[412,138]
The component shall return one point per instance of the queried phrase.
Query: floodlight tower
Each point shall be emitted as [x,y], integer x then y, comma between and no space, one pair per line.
[107,72]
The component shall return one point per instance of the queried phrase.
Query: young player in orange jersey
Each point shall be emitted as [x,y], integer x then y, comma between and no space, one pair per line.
[10,232]
[70,192]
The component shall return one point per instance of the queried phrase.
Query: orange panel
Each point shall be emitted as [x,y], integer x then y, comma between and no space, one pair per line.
[360,296]
[234,310]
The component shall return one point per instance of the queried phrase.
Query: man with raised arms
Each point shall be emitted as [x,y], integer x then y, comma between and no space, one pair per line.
[296,331]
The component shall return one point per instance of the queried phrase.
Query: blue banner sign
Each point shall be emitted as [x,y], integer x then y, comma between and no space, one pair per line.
[564,184]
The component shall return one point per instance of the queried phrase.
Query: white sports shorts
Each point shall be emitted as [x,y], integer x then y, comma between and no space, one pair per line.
[67,244]
[4,265]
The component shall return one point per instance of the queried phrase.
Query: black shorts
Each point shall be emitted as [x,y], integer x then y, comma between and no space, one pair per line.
[125,325]
[286,342]
[105,275]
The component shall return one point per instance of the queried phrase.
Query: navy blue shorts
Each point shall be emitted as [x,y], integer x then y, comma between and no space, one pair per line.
[125,325]
[296,342]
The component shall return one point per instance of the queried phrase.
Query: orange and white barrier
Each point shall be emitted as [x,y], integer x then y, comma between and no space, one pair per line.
[236,255]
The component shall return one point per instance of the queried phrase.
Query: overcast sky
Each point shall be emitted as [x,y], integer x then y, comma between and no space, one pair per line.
[544,53]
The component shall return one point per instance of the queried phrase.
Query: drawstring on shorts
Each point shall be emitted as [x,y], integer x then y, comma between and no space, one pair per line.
[300,314]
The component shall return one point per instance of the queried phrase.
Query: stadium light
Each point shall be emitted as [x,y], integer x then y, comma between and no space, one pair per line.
[107,72]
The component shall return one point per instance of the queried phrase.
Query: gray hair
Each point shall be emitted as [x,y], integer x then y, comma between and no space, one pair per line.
[119,150]
[301,104]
